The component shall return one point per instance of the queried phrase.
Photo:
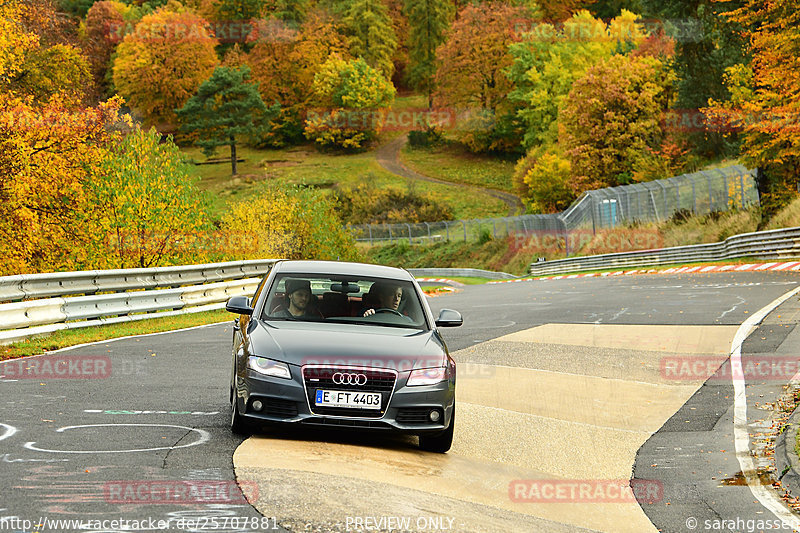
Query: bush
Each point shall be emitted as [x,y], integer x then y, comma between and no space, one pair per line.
[292,223]
[367,204]
[425,138]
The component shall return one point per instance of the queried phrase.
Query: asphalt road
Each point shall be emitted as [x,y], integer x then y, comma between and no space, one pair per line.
[144,437]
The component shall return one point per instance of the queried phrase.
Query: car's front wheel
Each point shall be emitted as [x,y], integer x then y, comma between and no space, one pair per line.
[239,425]
[439,443]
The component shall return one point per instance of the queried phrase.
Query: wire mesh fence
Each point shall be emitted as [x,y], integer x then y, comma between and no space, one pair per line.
[698,193]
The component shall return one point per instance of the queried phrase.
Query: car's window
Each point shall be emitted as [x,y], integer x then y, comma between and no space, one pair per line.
[339,299]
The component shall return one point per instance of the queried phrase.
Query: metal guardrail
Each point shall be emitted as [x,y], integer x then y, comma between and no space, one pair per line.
[459,272]
[44,303]
[772,244]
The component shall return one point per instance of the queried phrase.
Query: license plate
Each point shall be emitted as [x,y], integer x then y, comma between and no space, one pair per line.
[349,399]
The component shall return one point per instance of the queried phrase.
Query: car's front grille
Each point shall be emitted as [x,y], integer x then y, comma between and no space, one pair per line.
[413,415]
[377,380]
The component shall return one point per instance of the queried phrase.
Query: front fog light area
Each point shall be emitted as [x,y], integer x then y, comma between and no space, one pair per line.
[268,367]
[427,376]
[435,415]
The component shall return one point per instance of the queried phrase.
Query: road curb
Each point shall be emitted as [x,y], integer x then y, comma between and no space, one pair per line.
[784,266]
[787,462]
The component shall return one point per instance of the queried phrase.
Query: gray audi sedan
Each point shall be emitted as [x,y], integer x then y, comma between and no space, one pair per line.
[346,345]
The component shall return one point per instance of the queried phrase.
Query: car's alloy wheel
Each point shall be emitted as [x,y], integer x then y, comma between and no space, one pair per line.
[439,443]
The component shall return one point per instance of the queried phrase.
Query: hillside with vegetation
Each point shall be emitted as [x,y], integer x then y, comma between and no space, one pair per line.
[142,133]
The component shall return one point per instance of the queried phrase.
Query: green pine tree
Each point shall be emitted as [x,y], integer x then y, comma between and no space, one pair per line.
[428,21]
[224,106]
[371,34]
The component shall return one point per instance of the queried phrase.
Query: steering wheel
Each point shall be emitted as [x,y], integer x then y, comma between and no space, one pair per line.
[388,310]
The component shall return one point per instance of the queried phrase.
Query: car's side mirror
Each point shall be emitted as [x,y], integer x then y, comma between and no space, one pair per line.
[449,319]
[239,305]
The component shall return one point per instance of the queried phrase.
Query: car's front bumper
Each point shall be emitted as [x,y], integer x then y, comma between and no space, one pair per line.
[286,401]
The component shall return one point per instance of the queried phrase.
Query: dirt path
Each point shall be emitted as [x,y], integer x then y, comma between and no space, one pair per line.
[388,157]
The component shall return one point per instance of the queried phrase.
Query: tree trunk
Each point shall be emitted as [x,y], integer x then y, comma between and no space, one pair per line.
[233,156]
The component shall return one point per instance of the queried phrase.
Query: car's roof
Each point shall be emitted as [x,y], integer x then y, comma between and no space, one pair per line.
[342,268]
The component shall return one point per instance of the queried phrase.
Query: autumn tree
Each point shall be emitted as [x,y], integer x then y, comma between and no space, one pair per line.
[104,23]
[228,10]
[476,82]
[15,43]
[706,44]
[612,118]
[549,59]
[225,106]
[350,97]
[162,63]
[292,12]
[763,100]
[148,203]
[47,158]
[369,27]
[547,182]
[428,22]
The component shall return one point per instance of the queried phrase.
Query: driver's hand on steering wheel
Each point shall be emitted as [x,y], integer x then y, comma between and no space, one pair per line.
[369,312]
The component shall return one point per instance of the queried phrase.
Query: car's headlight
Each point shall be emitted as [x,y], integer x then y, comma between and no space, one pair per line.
[427,376]
[268,367]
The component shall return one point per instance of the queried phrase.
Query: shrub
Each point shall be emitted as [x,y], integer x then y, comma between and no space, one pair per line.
[369,205]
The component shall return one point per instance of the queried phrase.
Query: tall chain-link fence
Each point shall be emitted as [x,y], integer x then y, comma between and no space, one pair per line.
[720,189]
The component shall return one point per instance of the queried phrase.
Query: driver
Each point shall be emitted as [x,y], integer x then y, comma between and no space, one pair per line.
[388,296]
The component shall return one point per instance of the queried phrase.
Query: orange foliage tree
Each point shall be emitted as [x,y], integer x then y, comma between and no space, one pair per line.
[764,100]
[162,63]
[472,77]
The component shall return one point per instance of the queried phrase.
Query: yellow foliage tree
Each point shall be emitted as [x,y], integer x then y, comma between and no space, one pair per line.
[46,158]
[161,64]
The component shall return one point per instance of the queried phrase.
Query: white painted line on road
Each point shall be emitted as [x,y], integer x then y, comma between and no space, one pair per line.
[9,430]
[205,436]
[767,496]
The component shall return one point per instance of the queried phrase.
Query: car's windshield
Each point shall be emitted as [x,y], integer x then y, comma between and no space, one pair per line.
[340,299]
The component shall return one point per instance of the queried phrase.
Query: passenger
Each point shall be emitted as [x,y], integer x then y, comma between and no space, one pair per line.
[299,300]
[385,296]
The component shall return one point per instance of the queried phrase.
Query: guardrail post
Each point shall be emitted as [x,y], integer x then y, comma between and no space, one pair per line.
[409,233]
[694,198]
[494,228]
[447,231]
[429,229]
[464,223]
[370,233]
[741,187]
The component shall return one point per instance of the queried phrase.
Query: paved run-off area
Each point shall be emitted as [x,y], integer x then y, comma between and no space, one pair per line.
[549,403]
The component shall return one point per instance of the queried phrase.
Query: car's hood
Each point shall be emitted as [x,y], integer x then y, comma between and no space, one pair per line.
[302,343]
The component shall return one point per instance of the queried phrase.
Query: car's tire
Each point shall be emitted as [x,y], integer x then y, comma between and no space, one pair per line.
[439,443]
[239,425]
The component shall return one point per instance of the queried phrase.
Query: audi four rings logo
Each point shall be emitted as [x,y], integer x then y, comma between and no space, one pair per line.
[342,378]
